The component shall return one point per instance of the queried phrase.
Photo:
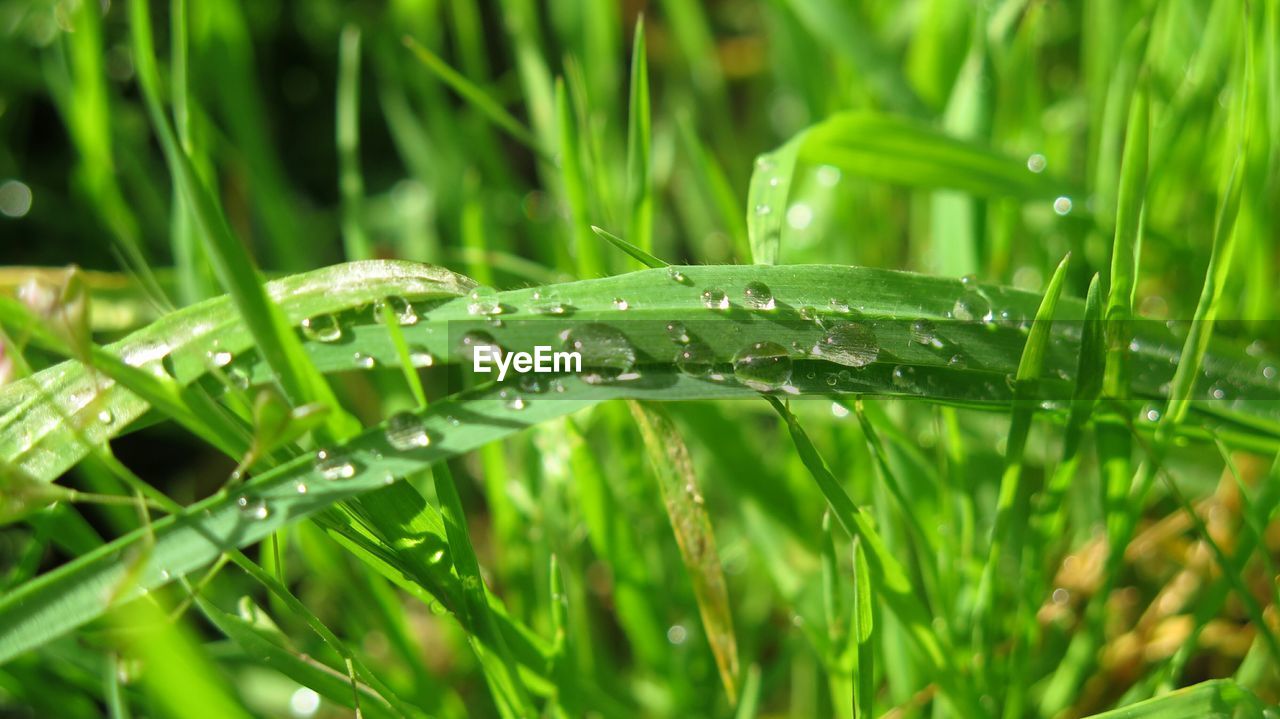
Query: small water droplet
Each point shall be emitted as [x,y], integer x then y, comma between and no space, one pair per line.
[762,366]
[405,432]
[239,377]
[300,487]
[1217,392]
[714,298]
[322,328]
[620,304]
[1268,371]
[924,332]
[606,353]
[511,400]
[1062,205]
[475,338]
[419,356]
[677,333]
[399,306]
[219,358]
[957,361]
[1036,163]
[532,383]
[763,209]
[253,508]
[333,467]
[483,301]
[758,296]
[1152,413]
[106,417]
[852,344]
[828,175]
[676,275]
[904,377]
[677,634]
[839,305]
[545,302]
[364,361]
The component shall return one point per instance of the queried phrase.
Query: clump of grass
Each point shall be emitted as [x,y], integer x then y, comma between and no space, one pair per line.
[1018,485]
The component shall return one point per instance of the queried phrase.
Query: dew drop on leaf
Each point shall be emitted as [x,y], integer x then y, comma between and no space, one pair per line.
[322,328]
[399,306]
[483,301]
[852,344]
[762,366]
[253,508]
[677,333]
[405,432]
[606,353]
[758,296]
[696,359]
[333,466]
[714,298]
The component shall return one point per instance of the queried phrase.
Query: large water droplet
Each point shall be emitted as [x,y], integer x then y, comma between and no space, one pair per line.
[714,298]
[484,301]
[399,306]
[758,296]
[606,353]
[322,328]
[333,466]
[852,344]
[924,332]
[696,359]
[971,306]
[405,432]
[762,366]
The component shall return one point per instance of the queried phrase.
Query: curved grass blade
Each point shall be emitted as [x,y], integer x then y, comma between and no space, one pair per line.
[639,159]
[188,342]
[1215,699]
[271,331]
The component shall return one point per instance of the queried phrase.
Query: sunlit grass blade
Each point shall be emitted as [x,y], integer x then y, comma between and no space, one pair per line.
[669,458]
[275,338]
[640,255]
[639,161]
[350,180]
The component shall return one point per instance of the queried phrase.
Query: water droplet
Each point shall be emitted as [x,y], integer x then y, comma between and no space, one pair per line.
[762,366]
[532,383]
[828,175]
[471,340]
[904,377]
[436,557]
[219,358]
[972,305]
[406,433]
[511,400]
[399,306]
[1152,413]
[676,275]
[696,359]
[483,301]
[301,487]
[620,304]
[714,298]
[106,417]
[322,328]
[239,377]
[419,356]
[606,353]
[839,411]
[763,210]
[545,302]
[677,333]
[831,379]
[1062,205]
[839,305]
[1268,371]
[852,344]
[924,332]
[364,361]
[764,163]
[957,361]
[773,182]
[1217,392]
[332,467]
[1036,163]
[253,508]
[677,634]
[758,296]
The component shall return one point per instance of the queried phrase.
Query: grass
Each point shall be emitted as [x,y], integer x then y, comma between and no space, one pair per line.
[854,438]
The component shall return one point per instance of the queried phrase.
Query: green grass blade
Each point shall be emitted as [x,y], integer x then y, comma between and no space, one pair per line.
[639,160]
[350,180]
[275,338]
[673,467]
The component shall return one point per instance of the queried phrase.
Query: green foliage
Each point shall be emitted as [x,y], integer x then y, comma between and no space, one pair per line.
[245,468]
